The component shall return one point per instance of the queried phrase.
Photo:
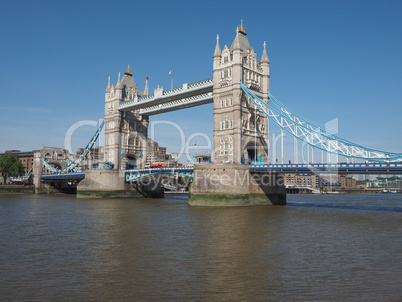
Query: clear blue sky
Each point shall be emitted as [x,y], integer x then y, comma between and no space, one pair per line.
[329,59]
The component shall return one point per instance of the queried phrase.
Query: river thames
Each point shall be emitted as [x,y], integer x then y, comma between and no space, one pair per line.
[317,248]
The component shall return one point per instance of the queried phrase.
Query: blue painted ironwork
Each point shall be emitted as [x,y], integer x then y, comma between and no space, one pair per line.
[22,177]
[49,167]
[315,136]
[301,121]
[75,169]
[73,166]
[338,168]
[64,176]
[29,172]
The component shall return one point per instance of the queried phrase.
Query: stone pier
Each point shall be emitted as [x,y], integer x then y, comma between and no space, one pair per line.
[111,184]
[105,184]
[234,185]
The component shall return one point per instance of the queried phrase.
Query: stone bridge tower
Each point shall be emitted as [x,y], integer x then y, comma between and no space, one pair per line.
[125,132]
[240,129]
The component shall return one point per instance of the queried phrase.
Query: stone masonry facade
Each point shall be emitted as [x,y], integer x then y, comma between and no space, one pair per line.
[240,130]
[125,132]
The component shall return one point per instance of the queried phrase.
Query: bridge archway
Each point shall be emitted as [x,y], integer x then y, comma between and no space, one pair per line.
[253,153]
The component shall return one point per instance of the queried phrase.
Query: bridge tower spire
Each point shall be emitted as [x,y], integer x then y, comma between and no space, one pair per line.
[240,130]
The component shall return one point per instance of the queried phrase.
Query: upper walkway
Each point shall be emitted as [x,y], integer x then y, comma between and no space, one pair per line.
[185,96]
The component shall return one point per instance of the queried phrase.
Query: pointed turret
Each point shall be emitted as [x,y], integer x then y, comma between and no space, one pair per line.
[146,92]
[128,85]
[236,42]
[118,85]
[265,73]
[264,57]
[108,86]
[236,49]
[119,89]
[240,41]
[217,52]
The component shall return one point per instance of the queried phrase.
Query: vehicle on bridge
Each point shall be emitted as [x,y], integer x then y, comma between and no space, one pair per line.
[159,165]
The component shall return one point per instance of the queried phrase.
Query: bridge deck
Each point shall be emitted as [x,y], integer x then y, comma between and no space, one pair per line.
[341,168]
[185,96]
[63,176]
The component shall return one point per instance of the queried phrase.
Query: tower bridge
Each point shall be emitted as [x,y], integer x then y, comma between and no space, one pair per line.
[243,105]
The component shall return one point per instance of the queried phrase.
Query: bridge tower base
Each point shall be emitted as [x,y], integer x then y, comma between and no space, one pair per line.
[233,185]
[105,184]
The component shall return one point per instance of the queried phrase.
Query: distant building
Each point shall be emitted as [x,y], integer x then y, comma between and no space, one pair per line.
[347,182]
[52,155]
[158,155]
[386,182]
[337,181]
[320,181]
[300,179]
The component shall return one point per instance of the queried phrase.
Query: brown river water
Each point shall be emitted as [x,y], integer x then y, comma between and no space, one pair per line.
[317,248]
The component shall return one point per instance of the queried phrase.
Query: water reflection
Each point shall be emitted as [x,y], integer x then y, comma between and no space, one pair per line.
[58,248]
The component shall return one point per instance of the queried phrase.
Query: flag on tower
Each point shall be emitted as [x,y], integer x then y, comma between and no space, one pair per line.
[170,72]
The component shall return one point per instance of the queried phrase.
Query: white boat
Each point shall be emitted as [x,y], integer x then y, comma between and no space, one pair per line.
[385,191]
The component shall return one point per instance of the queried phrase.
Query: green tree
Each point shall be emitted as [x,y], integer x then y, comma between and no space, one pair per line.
[10,166]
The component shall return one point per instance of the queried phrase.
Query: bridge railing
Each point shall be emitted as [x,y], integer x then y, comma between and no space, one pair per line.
[342,168]
[76,175]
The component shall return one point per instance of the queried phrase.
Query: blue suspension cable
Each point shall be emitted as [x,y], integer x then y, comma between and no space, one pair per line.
[253,97]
